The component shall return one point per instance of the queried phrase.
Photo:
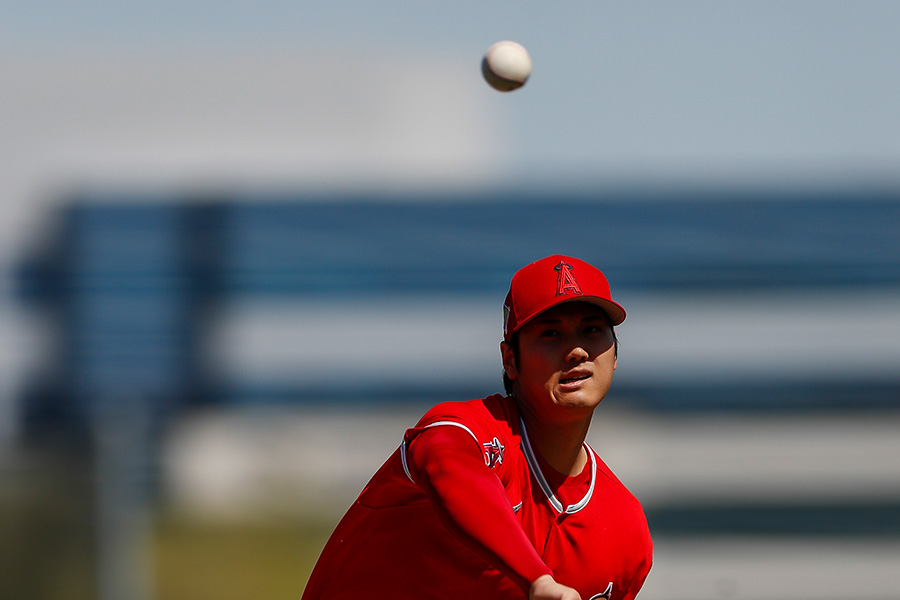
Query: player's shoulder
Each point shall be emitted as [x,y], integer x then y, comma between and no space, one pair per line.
[495,409]
[486,418]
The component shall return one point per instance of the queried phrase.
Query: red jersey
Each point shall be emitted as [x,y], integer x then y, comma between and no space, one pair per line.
[589,531]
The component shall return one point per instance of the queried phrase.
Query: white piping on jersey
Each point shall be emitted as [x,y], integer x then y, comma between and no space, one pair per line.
[435,424]
[542,481]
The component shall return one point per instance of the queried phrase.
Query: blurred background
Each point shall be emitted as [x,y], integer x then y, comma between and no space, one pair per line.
[245,245]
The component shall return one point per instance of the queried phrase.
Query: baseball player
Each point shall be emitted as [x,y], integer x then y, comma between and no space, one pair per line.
[501,497]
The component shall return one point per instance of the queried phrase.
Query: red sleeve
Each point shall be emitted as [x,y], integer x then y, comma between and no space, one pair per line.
[471,502]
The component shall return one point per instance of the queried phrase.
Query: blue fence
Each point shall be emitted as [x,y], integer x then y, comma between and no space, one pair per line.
[127,277]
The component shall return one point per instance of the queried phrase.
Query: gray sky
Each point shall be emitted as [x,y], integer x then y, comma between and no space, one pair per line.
[796,90]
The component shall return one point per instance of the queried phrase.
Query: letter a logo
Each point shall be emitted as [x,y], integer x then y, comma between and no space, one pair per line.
[565,281]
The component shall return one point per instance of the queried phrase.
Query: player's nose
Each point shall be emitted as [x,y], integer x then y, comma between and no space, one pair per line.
[577,354]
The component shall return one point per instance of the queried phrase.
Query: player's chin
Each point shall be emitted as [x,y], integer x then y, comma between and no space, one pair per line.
[585,396]
[585,399]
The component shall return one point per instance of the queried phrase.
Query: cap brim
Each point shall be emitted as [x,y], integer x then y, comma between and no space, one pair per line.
[613,310]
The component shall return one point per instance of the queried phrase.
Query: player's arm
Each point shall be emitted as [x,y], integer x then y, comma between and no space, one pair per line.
[471,502]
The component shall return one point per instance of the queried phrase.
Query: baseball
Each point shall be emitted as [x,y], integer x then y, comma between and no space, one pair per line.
[506,66]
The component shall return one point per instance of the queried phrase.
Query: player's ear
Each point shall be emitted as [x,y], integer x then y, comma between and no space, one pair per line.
[509,360]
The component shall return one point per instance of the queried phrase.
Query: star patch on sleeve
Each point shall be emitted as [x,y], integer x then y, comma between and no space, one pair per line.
[493,453]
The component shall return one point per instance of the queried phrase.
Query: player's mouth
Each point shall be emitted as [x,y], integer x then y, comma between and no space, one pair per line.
[574,379]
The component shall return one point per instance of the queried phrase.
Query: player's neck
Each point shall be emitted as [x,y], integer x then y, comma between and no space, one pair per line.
[561,445]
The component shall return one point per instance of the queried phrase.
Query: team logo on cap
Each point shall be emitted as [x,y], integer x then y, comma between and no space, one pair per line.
[565,280]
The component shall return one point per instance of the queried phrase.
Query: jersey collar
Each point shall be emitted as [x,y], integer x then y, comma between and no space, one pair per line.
[542,481]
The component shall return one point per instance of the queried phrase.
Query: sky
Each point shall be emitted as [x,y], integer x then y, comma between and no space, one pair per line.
[708,90]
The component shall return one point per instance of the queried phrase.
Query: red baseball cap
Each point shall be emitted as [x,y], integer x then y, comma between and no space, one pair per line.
[553,280]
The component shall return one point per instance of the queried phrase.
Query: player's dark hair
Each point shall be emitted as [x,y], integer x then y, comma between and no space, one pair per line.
[514,346]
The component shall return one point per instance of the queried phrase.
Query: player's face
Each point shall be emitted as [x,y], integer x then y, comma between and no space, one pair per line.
[566,361]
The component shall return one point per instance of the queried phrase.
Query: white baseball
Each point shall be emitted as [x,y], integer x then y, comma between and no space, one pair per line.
[506,66]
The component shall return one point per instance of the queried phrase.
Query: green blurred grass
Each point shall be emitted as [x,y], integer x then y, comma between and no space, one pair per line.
[47,544]
[235,561]
[48,551]
[49,548]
